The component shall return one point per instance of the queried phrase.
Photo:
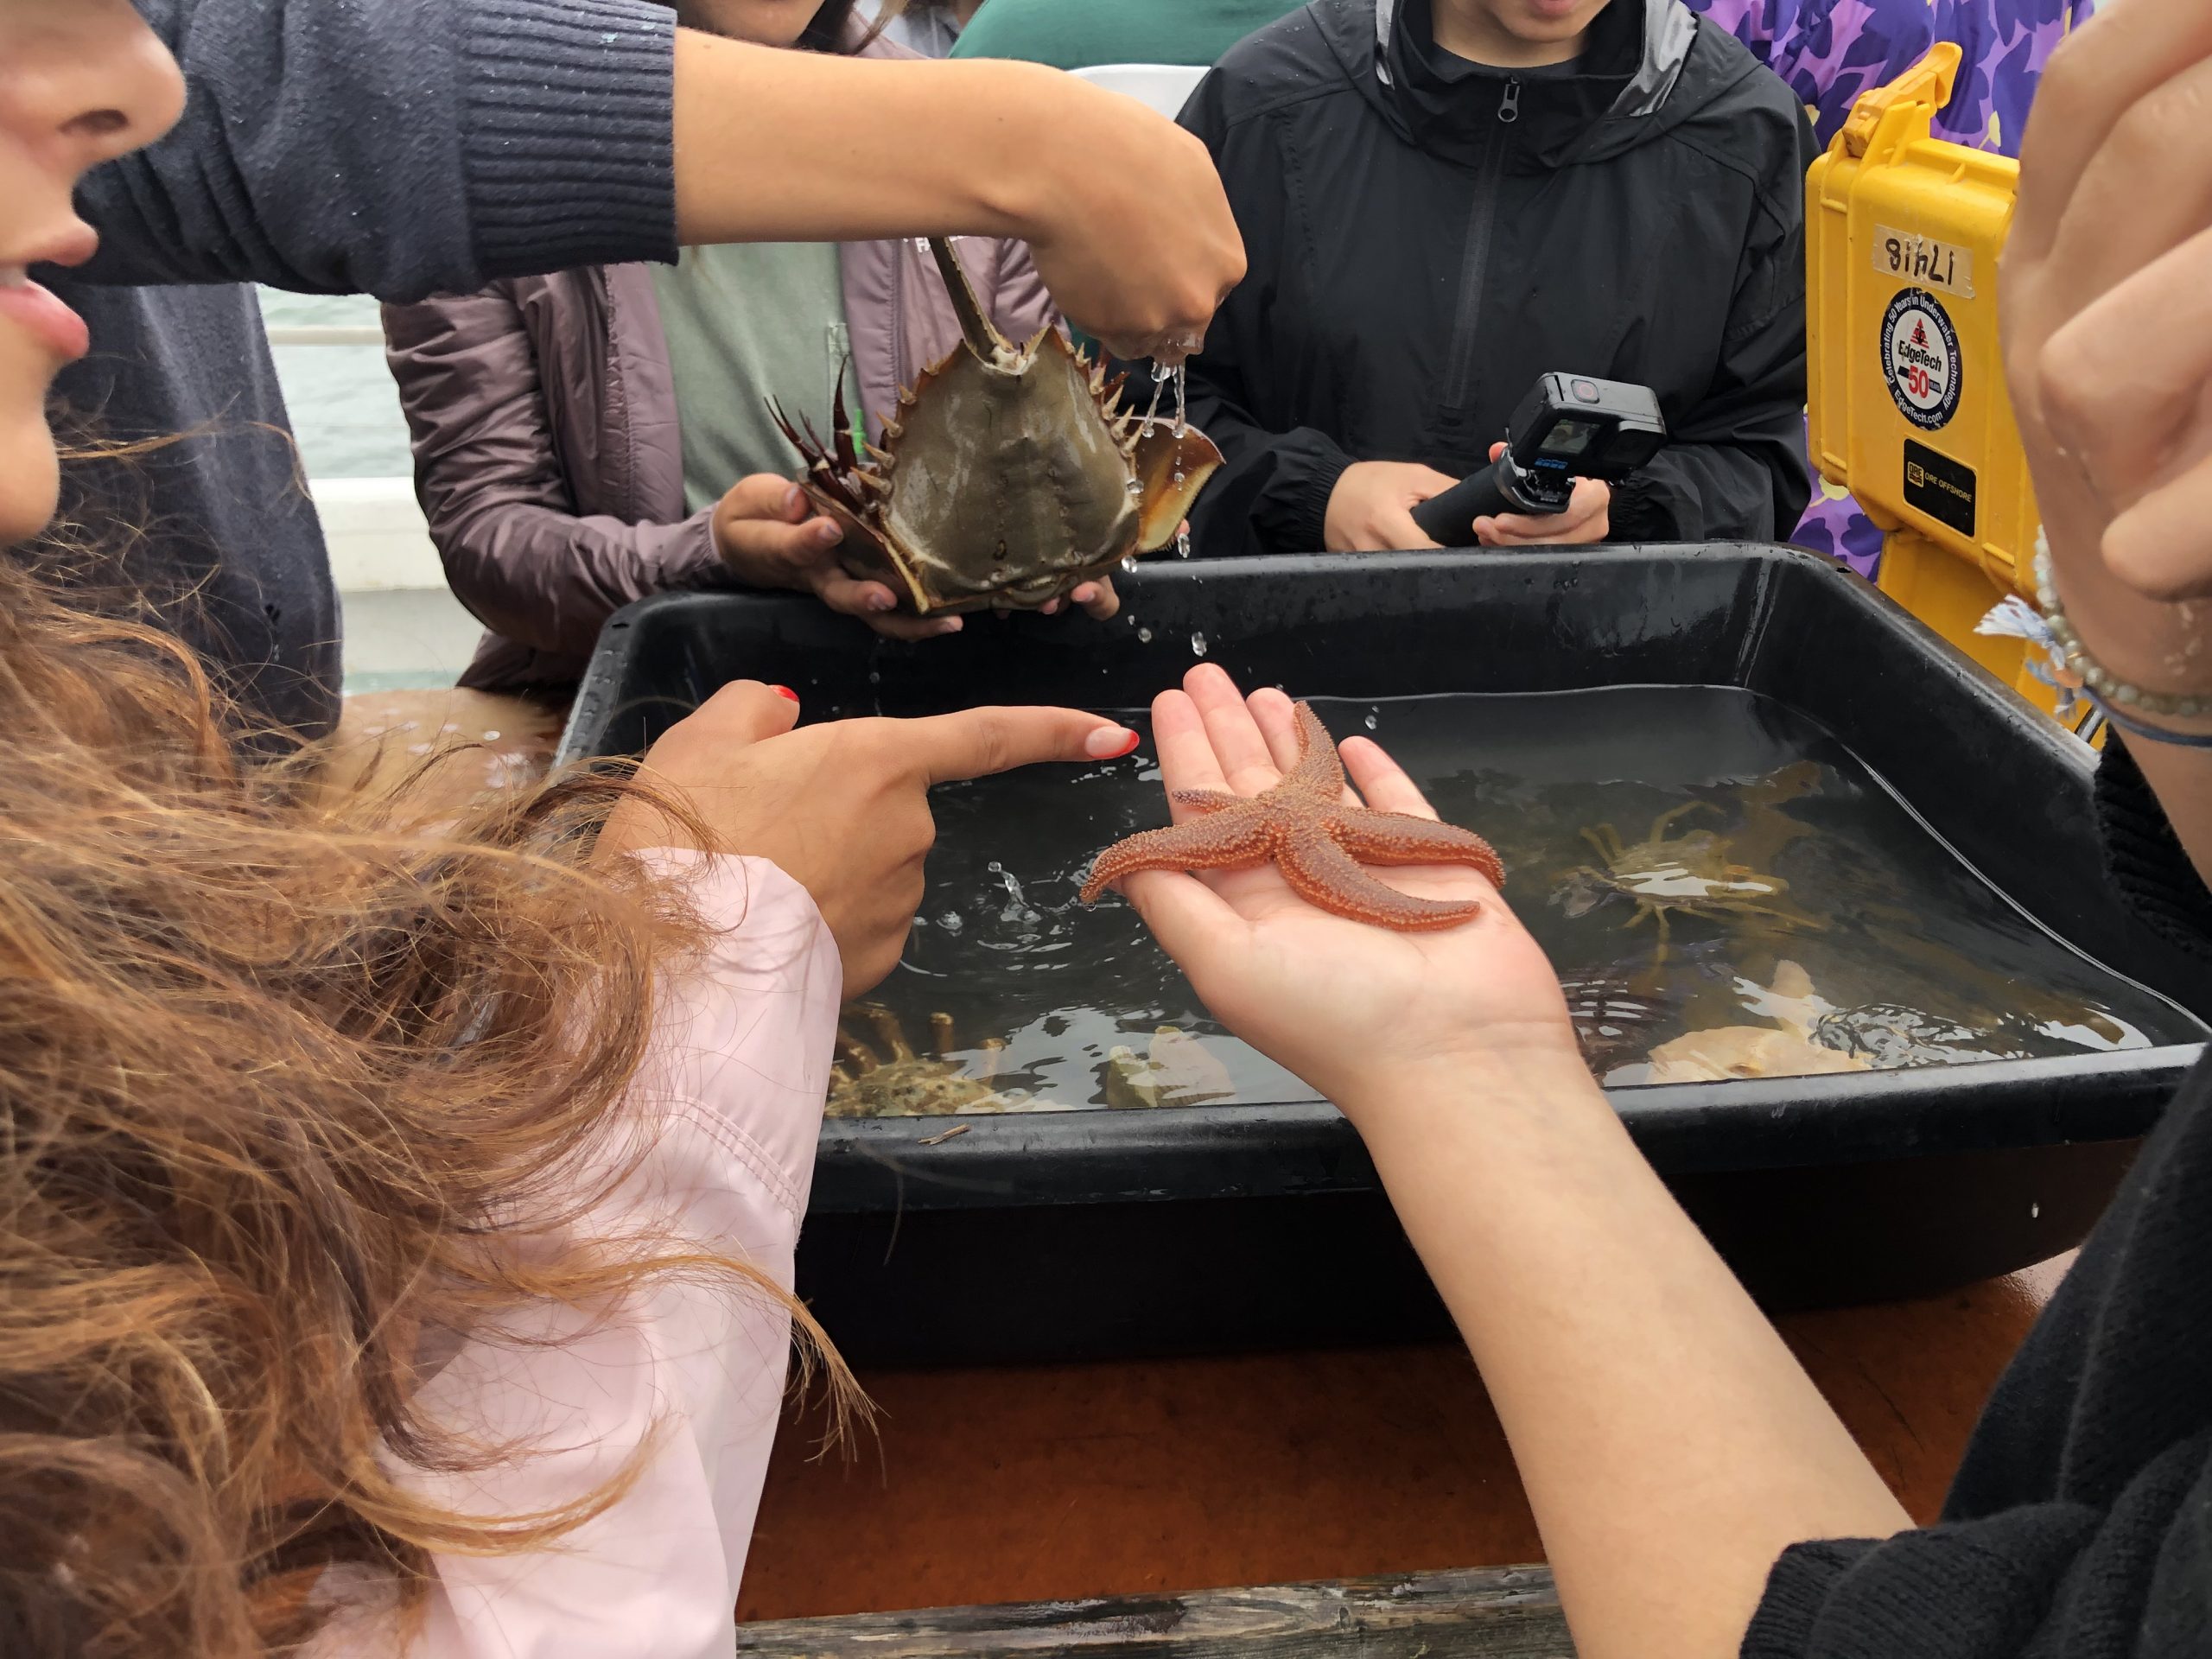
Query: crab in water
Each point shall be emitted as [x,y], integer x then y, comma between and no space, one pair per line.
[1009,474]
[1789,1048]
[891,1080]
[1690,873]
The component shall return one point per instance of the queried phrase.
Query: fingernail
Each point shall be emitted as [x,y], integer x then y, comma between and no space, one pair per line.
[826,531]
[791,498]
[1110,742]
[785,691]
[951,625]
[881,601]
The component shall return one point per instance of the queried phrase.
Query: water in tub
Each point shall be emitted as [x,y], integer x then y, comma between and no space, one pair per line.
[1726,890]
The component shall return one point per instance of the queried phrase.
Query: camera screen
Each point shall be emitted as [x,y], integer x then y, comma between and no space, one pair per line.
[1569,438]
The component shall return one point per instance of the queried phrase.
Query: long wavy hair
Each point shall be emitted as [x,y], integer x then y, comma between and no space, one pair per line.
[291,1087]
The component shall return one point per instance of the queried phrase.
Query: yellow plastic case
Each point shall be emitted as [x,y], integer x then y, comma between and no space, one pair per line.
[1908,402]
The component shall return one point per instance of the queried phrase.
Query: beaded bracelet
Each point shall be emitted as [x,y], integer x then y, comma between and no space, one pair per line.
[2117,700]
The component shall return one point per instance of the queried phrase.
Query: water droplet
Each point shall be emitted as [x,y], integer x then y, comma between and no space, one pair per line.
[1131,563]
[1182,542]
[2035,1212]
[489,737]
[1137,487]
[995,867]
[1198,644]
[950,921]
[1182,406]
[1370,720]
[1161,375]
[1144,636]
[874,678]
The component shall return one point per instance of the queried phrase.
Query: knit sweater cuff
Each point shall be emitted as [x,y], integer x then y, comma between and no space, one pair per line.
[1797,1589]
[2146,857]
[569,135]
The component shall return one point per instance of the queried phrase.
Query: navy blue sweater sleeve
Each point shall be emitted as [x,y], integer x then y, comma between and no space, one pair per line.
[398,148]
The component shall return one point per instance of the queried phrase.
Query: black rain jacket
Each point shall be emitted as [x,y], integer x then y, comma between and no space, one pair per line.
[1426,236]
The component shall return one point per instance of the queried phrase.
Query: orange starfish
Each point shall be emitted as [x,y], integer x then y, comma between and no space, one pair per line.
[1317,841]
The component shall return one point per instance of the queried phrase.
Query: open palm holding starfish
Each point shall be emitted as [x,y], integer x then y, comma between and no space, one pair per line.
[1332,999]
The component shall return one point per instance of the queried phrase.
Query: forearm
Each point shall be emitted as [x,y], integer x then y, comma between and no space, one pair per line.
[1670,1444]
[784,146]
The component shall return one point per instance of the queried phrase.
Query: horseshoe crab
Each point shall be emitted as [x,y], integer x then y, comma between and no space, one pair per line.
[1009,475]
[891,1080]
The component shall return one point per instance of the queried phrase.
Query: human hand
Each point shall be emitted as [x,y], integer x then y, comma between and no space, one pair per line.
[841,808]
[770,535]
[1371,508]
[2107,298]
[1355,1010]
[1588,517]
[1138,253]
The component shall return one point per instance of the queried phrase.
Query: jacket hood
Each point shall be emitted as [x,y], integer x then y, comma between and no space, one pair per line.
[1648,66]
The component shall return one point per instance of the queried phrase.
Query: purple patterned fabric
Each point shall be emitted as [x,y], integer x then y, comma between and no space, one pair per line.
[1830,51]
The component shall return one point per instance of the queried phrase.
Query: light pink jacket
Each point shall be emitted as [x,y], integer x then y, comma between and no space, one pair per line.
[728,1107]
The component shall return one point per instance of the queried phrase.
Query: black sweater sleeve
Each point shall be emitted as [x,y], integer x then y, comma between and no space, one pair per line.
[398,148]
[2080,1521]
[2037,1581]
[1735,468]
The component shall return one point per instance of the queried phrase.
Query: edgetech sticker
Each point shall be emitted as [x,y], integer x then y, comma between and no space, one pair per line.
[1920,358]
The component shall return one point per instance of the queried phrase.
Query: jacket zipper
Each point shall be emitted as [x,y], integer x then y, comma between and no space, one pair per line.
[1474,266]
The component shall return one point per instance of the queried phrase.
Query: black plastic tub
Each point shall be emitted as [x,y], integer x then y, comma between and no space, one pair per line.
[1091,1233]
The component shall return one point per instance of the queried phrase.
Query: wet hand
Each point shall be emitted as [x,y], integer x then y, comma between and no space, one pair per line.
[1346,1006]
[1095,600]
[2107,324]
[1371,508]
[843,808]
[1126,220]
[769,534]
[1588,518]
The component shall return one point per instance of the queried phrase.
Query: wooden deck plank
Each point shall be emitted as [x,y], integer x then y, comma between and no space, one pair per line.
[1476,1613]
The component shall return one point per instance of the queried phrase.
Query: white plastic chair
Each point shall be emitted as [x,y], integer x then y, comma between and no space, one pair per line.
[1165,86]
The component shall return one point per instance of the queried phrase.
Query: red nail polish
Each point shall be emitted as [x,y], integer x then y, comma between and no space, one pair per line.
[1129,748]
[785,691]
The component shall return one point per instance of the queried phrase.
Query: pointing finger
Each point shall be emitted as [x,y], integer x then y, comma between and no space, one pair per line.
[976,743]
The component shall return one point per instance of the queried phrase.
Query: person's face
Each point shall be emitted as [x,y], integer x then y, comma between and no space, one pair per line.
[1538,22]
[81,82]
[764,23]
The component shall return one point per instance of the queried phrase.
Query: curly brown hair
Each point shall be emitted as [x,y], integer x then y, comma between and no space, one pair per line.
[288,1086]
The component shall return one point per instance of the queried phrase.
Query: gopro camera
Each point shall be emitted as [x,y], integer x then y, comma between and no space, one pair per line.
[1570,426]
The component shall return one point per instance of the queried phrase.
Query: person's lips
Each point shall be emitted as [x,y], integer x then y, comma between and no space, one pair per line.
[36,309]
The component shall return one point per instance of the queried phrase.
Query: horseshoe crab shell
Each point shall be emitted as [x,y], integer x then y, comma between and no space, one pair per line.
[1009,475]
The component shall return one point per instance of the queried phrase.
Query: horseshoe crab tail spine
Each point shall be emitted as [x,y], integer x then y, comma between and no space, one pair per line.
[840,423]
[975,328]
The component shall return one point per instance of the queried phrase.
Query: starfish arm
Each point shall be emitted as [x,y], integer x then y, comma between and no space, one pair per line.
[1317,771]
[1323,875]
[1219,841]
[1205,800]
[1400,838]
